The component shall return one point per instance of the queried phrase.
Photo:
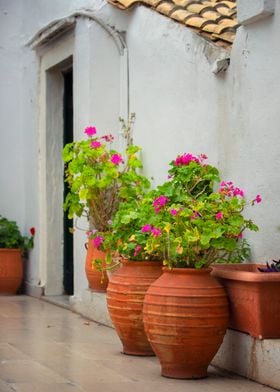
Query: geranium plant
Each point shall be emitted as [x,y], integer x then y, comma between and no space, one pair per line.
[185,222]
[137,227]
[100,179]
[130,233]
[11,237]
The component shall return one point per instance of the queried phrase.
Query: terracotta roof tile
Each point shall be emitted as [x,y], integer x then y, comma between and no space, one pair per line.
[213,19]
[180,15]
[194,21]
[181,3]
[165,7]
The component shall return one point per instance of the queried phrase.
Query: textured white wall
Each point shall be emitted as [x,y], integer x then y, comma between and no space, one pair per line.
[252,144]
[11,128]
[174,93]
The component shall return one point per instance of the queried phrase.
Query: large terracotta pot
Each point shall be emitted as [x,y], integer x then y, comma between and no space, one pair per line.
[185,316]
[97,281]
[11,271]
[254,298]
[125,296]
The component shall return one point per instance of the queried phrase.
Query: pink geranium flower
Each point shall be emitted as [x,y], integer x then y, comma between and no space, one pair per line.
[185,159]
[155,232]
[137,250]
[97,241]
[108,138]
[219,215]
[95,144]
[173,212]
[116,159]
[90,131]
[160,202]
[228,189]
[146,229]
[195,215]
[258,199]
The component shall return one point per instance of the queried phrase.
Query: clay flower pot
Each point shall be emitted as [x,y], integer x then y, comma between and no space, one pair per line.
[254,298]
[185,316]
[97,281]
[11,271]
[125,296]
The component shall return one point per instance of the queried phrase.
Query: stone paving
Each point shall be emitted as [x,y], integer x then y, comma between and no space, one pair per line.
[46,348]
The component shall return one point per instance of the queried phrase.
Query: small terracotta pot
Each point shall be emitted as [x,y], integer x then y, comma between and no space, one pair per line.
[97,280]
[125,296]
[254,298]
[11,271]
[185,316]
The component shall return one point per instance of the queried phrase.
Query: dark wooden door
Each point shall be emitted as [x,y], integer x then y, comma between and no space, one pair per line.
[68,265]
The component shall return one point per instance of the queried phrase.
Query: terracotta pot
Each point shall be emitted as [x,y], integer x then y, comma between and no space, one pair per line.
[254,298]
[185,316]
[125,296]
[11,271]
[97,281]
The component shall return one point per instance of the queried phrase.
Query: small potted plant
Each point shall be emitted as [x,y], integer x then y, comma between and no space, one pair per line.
[100,179]
[13,247]
[254,291]
[185,310]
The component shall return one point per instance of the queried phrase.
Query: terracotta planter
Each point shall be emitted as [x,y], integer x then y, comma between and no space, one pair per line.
[11,271]
[185,316]
[125,296]
[254,298]
[97,281]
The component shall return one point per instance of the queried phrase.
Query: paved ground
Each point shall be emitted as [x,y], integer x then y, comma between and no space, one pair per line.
[45,348]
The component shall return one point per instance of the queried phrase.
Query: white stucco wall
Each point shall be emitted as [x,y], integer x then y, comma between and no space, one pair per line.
[252,143]
[180,112]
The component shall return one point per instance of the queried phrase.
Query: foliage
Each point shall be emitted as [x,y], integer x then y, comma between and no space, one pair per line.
[136,239]
[10,236]
[272,267]
[100,178]
[184,221]
[128,237]
[202,231]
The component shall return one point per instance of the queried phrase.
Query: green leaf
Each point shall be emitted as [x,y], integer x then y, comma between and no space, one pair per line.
[83,194]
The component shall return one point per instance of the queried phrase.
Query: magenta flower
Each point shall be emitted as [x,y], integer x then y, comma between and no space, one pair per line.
[228,189]
[90,131]
[195,215]
[173,212]
[160,202]
[95,144]
[90,233]
[97,241]
[185,159]
[116,159]
[240,235]
[258,199]
[108,138]
[155,232]
[219,215]
[137,250]
[146,229]
[238,192]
